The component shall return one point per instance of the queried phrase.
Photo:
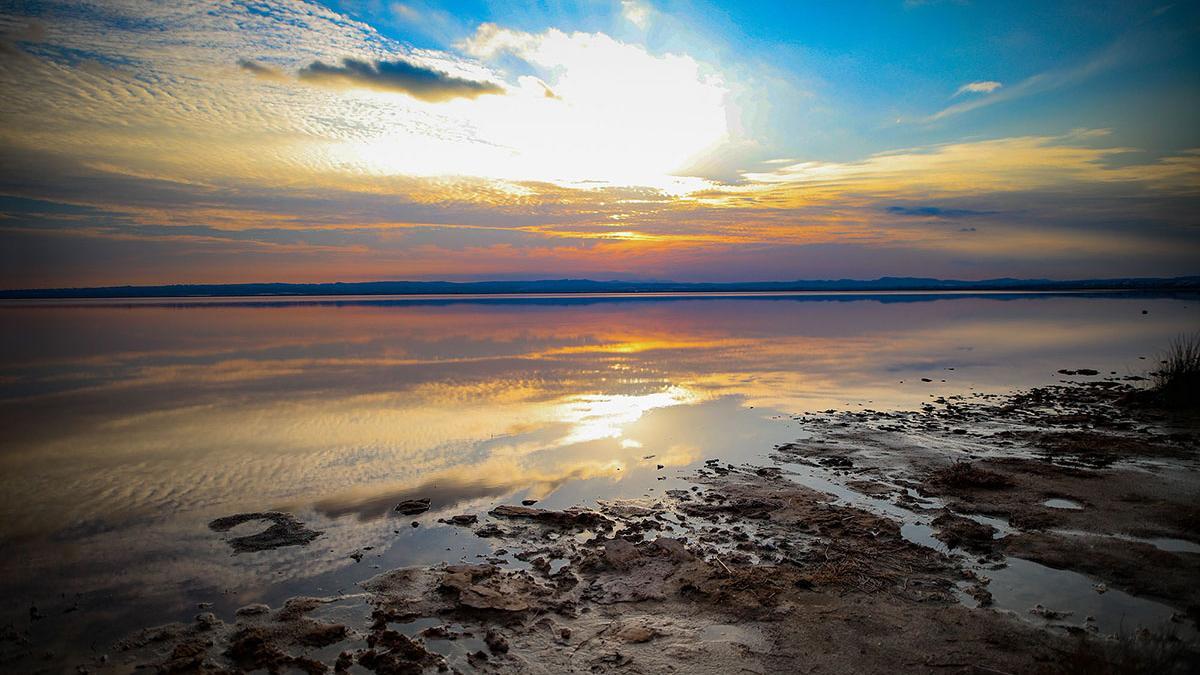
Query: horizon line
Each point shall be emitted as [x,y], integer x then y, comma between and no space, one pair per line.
[582,285]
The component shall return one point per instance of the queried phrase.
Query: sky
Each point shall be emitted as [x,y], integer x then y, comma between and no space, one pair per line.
[221,142]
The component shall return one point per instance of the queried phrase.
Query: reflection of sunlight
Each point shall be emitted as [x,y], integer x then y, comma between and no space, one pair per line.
[594,417]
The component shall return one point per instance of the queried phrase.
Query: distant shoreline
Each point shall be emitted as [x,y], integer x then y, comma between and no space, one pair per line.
[586,287]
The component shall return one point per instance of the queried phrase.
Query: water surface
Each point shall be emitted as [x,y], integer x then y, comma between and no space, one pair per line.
[128,426]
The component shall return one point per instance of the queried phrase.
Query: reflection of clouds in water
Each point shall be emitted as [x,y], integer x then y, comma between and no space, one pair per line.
[451,489]
[387,394]
[154,561]
[121,452]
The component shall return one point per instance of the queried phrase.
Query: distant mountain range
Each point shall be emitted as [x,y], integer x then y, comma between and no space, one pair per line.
[883,284]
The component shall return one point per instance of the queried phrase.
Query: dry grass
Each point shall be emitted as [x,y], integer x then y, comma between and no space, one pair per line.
[967,475]
[1147,653]
[1178,378]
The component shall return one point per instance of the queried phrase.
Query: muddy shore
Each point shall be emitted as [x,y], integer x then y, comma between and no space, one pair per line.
[1053,530]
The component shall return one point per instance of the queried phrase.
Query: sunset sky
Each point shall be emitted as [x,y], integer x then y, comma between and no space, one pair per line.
[187,141]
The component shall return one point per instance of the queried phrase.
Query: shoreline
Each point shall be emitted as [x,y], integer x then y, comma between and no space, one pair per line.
[938,539]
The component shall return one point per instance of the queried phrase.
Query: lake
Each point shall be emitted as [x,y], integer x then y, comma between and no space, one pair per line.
[129,425]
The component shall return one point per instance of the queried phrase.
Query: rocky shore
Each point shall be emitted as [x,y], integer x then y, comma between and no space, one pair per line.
[1052,530]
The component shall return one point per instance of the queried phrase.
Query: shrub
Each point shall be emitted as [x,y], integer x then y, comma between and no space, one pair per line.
[1177,379]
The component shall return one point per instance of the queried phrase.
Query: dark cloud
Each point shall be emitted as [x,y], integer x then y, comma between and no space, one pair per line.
[933,212]
[259,70]
[33,32]
[419,82]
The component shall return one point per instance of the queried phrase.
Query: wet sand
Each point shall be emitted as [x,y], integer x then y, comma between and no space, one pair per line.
[1052,530]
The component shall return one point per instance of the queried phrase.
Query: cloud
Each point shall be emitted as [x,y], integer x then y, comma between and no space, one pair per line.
[175,177]
[259,70]
[1036,84]
[635,116]
[996,165]
[933,212]
[420,82]
[635,12]
[34,31]
[982,87]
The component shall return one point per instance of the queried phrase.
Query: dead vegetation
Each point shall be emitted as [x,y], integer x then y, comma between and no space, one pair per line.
[967,475]
[1177,380]
[1143,653]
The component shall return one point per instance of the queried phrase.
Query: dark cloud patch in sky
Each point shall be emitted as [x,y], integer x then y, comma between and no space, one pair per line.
[417,81]
[33,32]
[933,212]
[259,70]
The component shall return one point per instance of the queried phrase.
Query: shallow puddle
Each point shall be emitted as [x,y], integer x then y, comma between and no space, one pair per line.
[1060,503]
[1021,585]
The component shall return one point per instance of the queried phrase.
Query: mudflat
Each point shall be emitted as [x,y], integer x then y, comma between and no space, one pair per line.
[1051,530]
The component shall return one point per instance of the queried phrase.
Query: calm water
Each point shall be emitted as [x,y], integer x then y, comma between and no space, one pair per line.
[127,427]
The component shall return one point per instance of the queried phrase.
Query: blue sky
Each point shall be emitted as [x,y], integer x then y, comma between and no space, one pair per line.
[184,141]
[835,76]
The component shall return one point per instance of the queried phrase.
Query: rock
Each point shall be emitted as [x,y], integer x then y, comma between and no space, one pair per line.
[529,502]
[490,530]
[252,610]
[486,587]
[619,553]
[1048,614]
[207,621]
[567,518]
[981,595]
[285,530]
[673,548]
[322,635]
[463,519]
[495,642]
[636,633]
[411,507]
[836,462]
[438,633]
[959,532]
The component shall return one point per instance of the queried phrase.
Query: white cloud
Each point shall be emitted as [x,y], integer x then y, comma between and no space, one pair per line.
[1041,82]
[635,12]
[629,114]
[159,92]
[983,87]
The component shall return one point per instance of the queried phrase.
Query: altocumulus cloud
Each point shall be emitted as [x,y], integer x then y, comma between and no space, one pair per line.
[417,81]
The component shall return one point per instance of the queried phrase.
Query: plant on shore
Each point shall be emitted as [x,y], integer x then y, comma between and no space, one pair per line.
[1146,652]
[1177,379]
[967,475]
